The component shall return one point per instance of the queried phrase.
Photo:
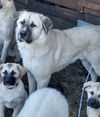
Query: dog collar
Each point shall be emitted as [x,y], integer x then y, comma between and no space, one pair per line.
[13,86]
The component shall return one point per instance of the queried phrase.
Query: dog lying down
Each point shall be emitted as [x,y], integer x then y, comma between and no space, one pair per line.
[45,102]
[45,50]
[93,102]
[12,92]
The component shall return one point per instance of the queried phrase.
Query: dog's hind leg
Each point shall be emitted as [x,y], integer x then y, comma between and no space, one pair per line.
[17,110]
[87,65]
[32,82]
[5,50]
[43,82]
[2,109]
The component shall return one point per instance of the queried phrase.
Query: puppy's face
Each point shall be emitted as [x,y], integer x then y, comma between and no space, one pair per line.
[30,26]
[10,73]
[93,91]
[5,3]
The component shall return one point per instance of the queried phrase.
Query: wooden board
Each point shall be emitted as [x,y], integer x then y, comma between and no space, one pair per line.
[89,5]
[72,4]
[92,19]
[91,12]
[94,1]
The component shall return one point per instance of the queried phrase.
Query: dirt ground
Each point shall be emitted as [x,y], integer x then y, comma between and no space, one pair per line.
[69,80]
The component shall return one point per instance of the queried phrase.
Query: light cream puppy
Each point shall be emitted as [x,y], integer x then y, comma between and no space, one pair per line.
[7,24]
[45,102]
[12,91]
[93,102]
[45,50]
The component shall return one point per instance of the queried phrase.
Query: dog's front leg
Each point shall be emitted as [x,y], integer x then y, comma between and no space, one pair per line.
[87,65]
[32,82]
[17,110]
[43,82]
[5,50]
[2,109]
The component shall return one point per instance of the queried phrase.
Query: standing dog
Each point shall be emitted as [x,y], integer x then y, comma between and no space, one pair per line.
[45,51]
[93,102]
[7,11]
[45,102]
[12,92]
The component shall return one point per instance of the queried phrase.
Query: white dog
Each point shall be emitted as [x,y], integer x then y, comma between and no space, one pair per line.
[45,51]
[12,91]
[93,102]
[45,102]
[7,24]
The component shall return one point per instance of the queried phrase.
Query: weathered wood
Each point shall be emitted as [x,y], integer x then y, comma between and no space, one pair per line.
[56,11]
[60,12]
[89,5]
[72,4]
[92,19]
[91,12]
[94,1]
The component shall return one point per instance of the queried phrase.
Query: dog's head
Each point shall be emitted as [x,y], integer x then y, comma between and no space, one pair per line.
[10,73]
[93,91]
[5,3]
[30,26]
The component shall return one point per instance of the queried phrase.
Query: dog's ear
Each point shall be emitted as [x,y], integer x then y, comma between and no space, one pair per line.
[21,70]
[47,24]
[87,85]
[1,66]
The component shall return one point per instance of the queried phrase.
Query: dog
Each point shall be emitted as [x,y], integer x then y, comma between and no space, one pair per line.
[7,25]
[45,50]
[12,91]
[93,102]
[45,102]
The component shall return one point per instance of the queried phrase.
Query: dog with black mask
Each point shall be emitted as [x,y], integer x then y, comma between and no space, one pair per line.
[93,102]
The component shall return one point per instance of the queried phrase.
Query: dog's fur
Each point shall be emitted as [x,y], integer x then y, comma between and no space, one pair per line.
[7,24]
[49,51]
[12,95]
[93,102]
[45,102]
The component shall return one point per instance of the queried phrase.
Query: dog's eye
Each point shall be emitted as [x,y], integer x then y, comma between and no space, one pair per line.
[99,95]
[13,73]
[33,25]
[92,93]
[22,22]
[5,72]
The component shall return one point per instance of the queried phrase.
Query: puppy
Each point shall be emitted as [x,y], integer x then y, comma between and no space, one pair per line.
[7,24]
[50,50]
[45,102]
[12,92]
[93,102]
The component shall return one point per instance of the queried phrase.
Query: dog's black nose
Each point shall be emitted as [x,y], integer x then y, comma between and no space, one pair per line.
[93,103]
[23,34]
[1,6]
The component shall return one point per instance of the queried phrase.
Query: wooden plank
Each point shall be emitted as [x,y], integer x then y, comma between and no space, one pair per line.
[94,1]
[72,4]
[92,19]
[89,11]
[56,11]
[89,5]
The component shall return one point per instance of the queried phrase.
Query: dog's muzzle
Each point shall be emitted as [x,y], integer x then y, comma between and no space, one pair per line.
[93,103]
[25,34]
[9,80]
[1,6]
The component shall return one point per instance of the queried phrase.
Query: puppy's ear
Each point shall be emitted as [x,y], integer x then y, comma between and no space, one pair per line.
[87,85]
[1,66]
[47,24]
[21,70]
